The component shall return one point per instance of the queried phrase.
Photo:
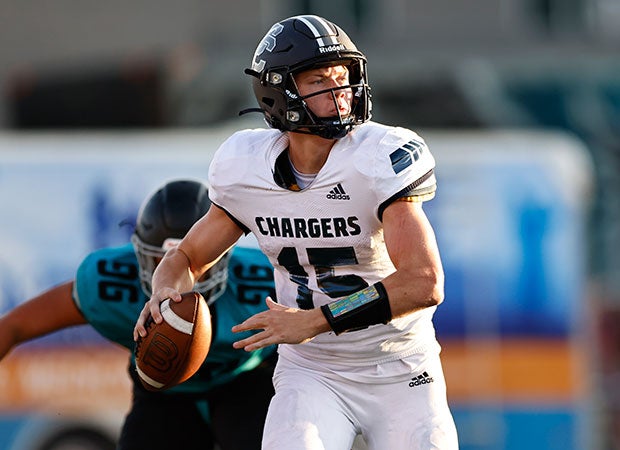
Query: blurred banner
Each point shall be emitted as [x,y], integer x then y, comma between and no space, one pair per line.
[511,221]
[510,218]
[63,195]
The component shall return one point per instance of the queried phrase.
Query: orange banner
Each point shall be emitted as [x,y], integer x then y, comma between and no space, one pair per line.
[515,371]
[70,379]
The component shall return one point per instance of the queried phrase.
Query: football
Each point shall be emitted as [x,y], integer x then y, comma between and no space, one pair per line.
[173,350]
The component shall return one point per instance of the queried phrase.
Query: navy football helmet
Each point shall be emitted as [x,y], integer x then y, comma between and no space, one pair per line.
[163,220]
[297,44]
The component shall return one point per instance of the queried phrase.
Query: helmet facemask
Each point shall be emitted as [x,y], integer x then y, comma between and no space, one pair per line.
[301,119]
[211,285]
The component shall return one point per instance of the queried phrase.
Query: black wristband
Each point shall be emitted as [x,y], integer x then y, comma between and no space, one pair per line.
[357,311]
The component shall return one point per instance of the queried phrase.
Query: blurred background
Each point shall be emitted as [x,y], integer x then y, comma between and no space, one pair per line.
[101,102]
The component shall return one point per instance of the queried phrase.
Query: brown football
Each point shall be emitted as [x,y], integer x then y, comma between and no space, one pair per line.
[173,350]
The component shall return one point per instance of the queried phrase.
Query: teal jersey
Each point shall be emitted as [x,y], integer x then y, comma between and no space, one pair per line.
[108,293]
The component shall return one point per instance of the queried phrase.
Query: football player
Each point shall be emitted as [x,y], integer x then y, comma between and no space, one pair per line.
[226,401]
[335,201]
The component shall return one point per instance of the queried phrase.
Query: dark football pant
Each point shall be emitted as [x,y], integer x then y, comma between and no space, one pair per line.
[160,421]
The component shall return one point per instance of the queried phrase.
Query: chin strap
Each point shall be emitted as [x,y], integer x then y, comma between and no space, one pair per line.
[252,73]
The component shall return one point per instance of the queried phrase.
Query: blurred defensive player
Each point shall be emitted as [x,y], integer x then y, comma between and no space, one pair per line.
[225,403]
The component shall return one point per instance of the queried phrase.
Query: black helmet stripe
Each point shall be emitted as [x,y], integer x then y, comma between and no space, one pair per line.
[321,29]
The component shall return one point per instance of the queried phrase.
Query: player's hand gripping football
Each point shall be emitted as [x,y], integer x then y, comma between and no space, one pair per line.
[151,308]
[281,325]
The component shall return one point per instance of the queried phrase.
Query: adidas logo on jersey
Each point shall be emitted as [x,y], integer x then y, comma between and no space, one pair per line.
[420,380]
[338,193]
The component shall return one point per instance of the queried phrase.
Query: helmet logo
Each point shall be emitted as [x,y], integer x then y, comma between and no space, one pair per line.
[332,48]
[267,44]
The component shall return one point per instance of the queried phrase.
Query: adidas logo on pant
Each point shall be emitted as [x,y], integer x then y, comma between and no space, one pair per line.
[338,193]
[420,380]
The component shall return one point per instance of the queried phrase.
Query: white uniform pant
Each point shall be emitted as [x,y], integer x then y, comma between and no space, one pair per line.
[319,409]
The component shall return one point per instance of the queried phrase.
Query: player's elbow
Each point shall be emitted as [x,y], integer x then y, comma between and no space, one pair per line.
[423,291]
[436,297]
[434,288]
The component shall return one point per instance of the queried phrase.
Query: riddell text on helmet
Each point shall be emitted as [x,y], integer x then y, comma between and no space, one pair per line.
[331,48]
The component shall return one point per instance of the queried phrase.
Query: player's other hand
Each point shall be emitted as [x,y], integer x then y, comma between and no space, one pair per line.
[281,325]
[151,308]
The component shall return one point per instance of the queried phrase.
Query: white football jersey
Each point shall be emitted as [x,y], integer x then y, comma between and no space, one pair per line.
[326,241]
